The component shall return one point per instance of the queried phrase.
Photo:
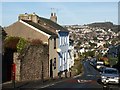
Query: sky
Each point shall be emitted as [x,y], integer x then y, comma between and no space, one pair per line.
[67,12]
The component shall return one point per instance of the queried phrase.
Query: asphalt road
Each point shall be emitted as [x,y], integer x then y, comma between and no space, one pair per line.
[88,80]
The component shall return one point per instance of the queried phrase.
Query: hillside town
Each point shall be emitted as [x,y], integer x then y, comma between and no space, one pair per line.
[87,38]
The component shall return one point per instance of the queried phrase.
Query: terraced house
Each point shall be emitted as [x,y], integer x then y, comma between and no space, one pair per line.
[31,27]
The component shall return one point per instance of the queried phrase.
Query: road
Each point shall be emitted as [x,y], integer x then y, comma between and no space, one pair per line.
[89,79]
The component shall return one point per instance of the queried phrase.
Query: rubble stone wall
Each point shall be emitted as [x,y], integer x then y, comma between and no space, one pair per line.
[34,63]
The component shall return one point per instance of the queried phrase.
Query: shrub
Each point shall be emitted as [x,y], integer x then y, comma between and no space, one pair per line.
[15,43]
[21,44]
[11,42]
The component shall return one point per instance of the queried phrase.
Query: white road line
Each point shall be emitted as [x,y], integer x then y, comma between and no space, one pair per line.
[45,86]
[90,75]
[77,76]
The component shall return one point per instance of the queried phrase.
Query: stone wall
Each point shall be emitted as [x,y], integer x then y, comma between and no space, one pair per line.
[33,63]
[16,60]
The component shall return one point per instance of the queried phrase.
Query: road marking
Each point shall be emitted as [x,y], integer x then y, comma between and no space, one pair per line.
[44,86]
[77,76]
[47,85]
[90,75]
[85,81]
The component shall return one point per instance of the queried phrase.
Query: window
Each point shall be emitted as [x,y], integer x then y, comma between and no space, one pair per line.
[65,57]
[60,61]
[60,41]
[65,39]
[54,63]
[54,43]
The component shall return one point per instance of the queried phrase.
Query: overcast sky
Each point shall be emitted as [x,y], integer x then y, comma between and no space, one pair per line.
[67,12]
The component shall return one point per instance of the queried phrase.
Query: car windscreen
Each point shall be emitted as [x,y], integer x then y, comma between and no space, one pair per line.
[111,71]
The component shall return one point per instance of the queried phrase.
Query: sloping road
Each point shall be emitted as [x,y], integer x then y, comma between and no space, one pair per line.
[89,79]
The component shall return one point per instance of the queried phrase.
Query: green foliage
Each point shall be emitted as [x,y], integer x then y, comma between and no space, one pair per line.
[21,44]
[15,43]
[99,55]
[95,38]
[11,42]
[3,34]
[92,44]
[89,53]
[79,68]
[113,61]
[79,43]
[106,45]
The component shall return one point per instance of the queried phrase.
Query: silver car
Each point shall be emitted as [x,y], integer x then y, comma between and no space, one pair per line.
[110,75]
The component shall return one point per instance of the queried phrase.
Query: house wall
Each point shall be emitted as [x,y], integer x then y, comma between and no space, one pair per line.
[63,57]
[53,54]
[18,29]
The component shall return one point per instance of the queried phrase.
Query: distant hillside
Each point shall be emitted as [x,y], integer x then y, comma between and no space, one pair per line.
[105,25]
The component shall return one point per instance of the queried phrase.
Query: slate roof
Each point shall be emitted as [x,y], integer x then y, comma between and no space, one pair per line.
[47,26]
[53,24]
[36,25]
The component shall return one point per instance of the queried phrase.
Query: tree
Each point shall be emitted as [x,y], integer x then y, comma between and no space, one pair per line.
[11,42]
[14,43]
[95,38]
[3,34]
[89,53]
[118,63]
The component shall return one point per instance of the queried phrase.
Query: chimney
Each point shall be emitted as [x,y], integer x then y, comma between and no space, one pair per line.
[29,17]
[53,17]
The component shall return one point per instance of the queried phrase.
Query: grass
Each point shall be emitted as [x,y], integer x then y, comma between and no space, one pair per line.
[77,67]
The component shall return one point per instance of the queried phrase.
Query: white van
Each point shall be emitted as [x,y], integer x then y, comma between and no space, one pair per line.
[110,75]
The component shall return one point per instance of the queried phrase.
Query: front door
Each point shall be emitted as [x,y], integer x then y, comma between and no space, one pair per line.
[51,71]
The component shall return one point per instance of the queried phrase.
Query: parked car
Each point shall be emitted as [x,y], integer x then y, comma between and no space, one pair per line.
[99,64]
[102,68]
[93,62]
[110,75]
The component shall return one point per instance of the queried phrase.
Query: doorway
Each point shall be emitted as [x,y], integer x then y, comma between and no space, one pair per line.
[51,71]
